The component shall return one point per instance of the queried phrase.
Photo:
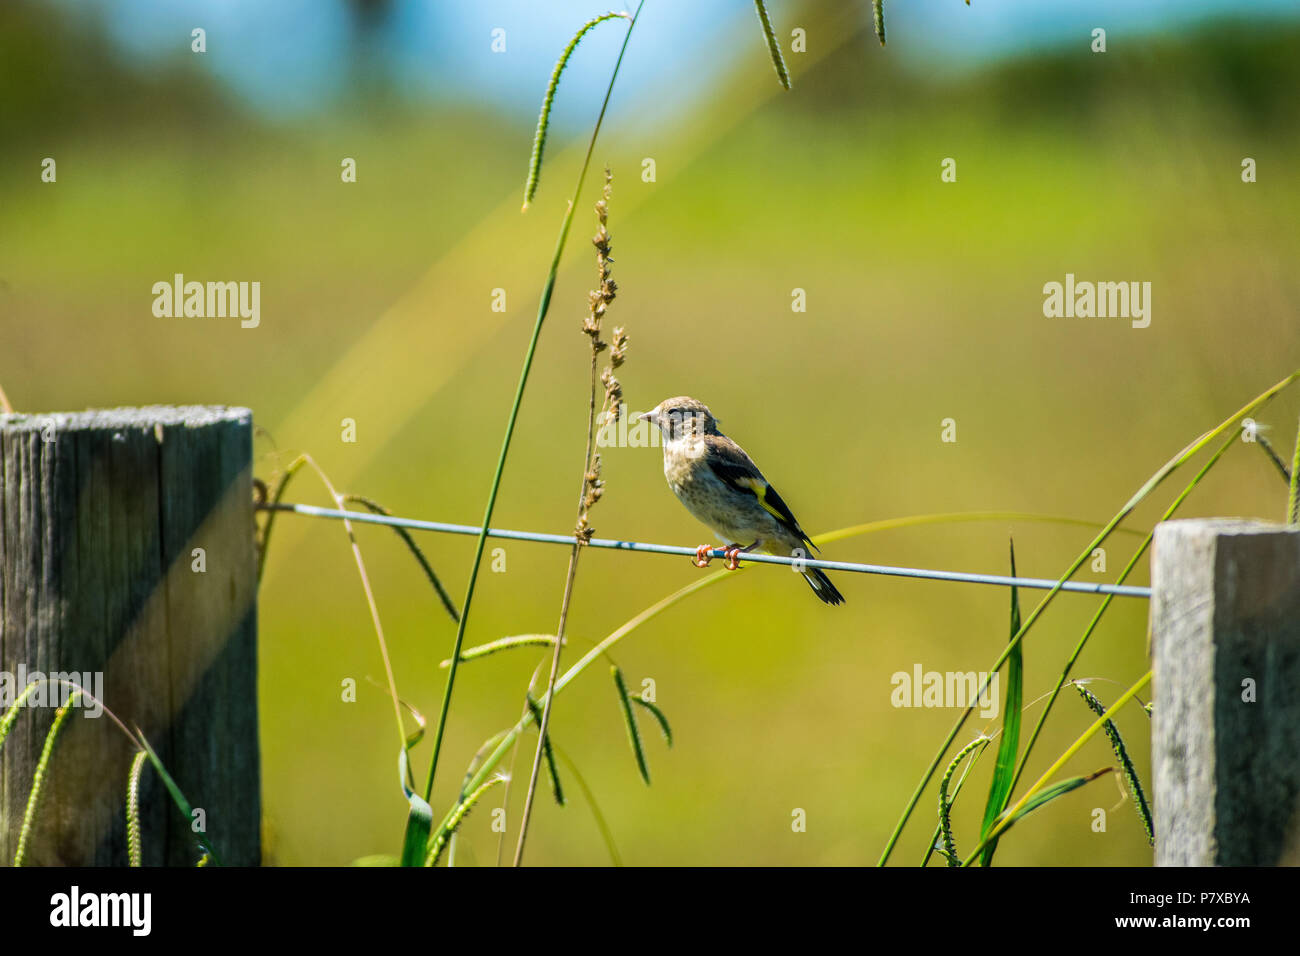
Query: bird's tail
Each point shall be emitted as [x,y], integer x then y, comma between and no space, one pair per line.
[822,586]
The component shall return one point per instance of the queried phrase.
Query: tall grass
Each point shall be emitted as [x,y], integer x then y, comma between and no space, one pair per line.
[1135,790]
[1229,425]
[590,485]
[543,307]
[144,752]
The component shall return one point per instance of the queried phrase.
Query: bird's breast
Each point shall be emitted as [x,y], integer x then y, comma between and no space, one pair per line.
[680,468]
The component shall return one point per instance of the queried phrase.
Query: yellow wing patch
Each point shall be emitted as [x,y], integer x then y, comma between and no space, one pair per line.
[759,488]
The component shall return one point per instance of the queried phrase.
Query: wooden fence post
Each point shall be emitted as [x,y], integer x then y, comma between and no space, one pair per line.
[127,559]
[1225,628]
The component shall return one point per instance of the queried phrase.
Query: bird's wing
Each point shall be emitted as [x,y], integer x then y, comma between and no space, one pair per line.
[738,471]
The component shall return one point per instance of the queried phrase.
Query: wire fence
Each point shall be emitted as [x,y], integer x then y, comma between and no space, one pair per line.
[965,577]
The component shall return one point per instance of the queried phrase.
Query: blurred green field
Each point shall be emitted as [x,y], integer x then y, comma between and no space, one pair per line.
[924,303]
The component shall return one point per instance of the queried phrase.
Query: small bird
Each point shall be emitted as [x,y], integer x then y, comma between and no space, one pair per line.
[721,486]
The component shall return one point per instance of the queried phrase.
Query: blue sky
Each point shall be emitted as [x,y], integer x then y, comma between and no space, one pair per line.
[291,56]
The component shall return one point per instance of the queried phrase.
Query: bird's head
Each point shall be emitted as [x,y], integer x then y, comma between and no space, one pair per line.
[682,417]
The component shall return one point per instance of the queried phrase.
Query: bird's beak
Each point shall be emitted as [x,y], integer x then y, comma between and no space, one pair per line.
[647,416]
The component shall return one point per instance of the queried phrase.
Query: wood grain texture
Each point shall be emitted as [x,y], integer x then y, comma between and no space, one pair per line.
[100,514]
[1225,618]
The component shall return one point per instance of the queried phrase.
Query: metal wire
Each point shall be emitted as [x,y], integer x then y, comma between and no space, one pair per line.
[1044,584]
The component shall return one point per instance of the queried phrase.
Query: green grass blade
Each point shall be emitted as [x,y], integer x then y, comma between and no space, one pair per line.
[502,644]
[659,716]
[773,47]
[606,833]
[415,736]
[419,821]
[1267,447]
[275,498]
[1125,762]
[178,797]
[466,790]
[39,777]
[419,818]
[535,710]
[959,517]
[544,118]
[11,715]
[456,818]
[1005,768]
[414,548]
[633,732]
[134,850]
[945,804]
[878,19]
[956,791]
[1049,794]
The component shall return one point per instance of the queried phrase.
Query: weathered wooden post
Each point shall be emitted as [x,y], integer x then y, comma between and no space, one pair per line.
[127,558]
[1225,627]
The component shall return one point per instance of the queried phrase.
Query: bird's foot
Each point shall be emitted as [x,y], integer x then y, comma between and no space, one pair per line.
[731,553]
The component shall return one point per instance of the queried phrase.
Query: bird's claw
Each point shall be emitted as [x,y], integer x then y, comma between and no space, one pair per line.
[731,553]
